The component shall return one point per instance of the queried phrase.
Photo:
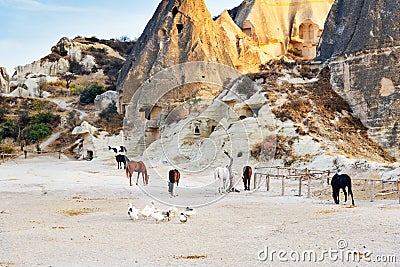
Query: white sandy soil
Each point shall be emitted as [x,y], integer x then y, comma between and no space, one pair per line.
[74,213]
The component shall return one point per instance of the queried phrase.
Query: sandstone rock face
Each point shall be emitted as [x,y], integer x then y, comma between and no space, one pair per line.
[180,31]
[361,40]
[244,52]
[354,26]
[4,81]
[102,101]
[281,25]
[60,66]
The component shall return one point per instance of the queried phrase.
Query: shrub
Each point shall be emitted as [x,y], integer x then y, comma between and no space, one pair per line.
[37,131]
[89,94]
[38,105]
[47,118]
[23,118]
[3,113]
[9,129]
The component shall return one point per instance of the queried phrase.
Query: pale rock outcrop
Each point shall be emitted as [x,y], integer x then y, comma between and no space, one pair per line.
[281,25]
[244,52]
[88,62]
[60,66]
[361,43]
[102,101]
[4,81]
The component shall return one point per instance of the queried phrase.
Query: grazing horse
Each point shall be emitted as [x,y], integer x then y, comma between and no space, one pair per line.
[247,172]
[174,176]
[222,174]
[340,182]
[140,168]
[121,159]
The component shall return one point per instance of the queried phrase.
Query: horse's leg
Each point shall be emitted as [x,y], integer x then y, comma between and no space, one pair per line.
[345,194]
[137,178]
[351,194]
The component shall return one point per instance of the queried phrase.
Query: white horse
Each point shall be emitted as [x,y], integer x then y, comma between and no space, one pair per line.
[222,174]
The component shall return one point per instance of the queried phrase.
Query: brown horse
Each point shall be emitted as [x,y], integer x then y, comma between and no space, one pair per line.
[247,172]
[139,167]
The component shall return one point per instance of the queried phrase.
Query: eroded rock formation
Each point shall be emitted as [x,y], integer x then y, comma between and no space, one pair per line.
[278,26]
[361,40]
[180,31]
[4,81]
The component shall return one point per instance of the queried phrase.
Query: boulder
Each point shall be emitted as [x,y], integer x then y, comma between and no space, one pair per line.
[102,101]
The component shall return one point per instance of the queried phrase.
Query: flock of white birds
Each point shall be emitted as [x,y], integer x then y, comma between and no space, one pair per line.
[150,211]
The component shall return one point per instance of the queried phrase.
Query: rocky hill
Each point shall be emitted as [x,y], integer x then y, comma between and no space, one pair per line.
[80,56]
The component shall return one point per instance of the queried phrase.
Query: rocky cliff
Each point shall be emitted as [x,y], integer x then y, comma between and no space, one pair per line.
[354,26]
[361,41]
[4,81]
[180,31]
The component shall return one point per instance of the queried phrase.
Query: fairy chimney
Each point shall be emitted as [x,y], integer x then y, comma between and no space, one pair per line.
[180,31]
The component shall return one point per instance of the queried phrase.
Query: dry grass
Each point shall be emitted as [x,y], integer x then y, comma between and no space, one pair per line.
[191,257]
[6,263]
[327,211]
[77,212]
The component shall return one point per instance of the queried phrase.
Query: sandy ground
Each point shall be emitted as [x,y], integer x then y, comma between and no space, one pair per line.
[74,213]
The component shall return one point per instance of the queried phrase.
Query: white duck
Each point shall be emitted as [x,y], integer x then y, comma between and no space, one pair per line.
[157,216]
[189,211]
[183,218]
[133,212]
[148,210]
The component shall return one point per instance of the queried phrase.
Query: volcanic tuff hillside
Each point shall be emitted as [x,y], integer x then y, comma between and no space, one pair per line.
[361,42]
[183,31]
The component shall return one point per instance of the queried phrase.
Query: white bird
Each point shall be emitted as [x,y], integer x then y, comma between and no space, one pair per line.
[173,211]
[133,212]
[183,218]
[189,211]
[157,216]
[148,210]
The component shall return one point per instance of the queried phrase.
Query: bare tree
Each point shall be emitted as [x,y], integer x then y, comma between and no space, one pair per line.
[68,77]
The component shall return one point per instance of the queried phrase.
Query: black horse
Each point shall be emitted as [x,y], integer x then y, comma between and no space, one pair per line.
[121,159]
[340,182]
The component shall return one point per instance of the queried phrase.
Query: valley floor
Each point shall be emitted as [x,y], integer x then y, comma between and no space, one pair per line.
[74,213]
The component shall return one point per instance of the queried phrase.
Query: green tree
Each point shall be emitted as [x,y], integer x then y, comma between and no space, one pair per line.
[89,94]
[9,129]
[37,132]
[47,118]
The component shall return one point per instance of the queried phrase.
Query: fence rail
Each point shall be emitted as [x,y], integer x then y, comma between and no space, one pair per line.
[302,175]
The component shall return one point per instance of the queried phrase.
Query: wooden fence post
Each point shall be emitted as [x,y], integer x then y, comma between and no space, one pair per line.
[59,154]
[398,188]
[308,186]
[283,185]
[25,153]
[255,181]
[268,182]
[371,185]
[300,185]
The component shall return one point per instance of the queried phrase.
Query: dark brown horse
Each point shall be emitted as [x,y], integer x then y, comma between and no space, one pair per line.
[341,182]
[247,172]
[140,168]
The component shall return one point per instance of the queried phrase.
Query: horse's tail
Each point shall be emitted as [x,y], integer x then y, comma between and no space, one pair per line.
[128,171]
[178,176]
